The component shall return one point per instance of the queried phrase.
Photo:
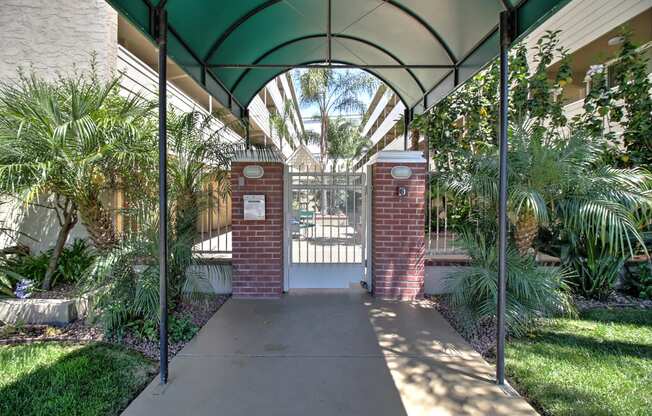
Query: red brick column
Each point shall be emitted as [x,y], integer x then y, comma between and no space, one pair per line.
[398,236]
[258,245]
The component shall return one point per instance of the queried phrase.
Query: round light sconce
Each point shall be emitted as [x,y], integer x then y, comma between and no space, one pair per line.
[401,172]
[253,171]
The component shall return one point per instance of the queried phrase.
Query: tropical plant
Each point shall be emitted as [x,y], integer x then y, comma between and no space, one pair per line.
[344,141]
[532,291]
[334,91]
[638,280]
[560,179]
[71,139]
[74,260]
[596,269]
[180,327]
[127,277]
[281,123]
[8,277]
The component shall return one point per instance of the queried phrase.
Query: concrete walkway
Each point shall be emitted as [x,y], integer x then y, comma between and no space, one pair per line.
[330,354]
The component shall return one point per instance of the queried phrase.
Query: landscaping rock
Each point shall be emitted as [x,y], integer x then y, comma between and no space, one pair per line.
[44,311]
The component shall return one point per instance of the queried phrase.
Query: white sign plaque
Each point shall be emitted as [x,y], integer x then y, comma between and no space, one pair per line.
[254,207]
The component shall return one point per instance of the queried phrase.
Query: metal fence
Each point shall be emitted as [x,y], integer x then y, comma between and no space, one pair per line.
[214,223]
[441,219]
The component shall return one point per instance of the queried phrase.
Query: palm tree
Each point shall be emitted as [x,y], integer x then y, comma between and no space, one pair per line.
[344,141]
[533,291]
[333,91]
[281,123]
[199,158]
[559,179]
[72,139]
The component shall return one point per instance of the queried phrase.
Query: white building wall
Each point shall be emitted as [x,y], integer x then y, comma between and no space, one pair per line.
[54,36]
[583,21]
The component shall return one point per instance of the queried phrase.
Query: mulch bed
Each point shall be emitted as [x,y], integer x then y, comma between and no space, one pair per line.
[80,332]
[482,337]
[615,300]
[62,291]
[199,313]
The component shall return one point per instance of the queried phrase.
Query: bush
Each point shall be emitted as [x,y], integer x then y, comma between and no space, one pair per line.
[595,276]
[73,263]
[638,281]
[532,291]
[180,329]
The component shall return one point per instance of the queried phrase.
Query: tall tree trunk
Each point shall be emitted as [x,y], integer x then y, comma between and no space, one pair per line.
[68,219]
[527,229]
[98,223]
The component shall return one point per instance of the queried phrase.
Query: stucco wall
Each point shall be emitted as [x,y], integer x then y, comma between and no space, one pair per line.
[54,36]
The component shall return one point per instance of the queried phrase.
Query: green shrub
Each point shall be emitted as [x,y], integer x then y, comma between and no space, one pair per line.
[595,276]
[8,278]
[73,263]
[180,329]
[638,281]
[532,291]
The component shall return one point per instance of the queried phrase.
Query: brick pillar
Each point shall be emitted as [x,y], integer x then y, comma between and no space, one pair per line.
[398,245]
[258,245]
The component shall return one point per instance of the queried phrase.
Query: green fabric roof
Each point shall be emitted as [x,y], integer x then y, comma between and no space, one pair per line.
[460,33]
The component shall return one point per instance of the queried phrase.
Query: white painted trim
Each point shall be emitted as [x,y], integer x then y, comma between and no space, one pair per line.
[382,103]
[397,156]
[388,122]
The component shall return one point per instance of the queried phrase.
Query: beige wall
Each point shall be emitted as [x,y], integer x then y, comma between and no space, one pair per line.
[55,35]
[52,37]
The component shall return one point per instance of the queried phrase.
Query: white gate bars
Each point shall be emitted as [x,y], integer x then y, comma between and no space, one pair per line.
[325,229]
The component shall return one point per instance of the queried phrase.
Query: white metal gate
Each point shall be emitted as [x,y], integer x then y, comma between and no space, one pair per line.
[325,229]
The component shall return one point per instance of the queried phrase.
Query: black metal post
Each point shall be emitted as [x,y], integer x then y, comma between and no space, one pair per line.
[329,31]
[406,127]
[505,41]
[163,191]
[247,133]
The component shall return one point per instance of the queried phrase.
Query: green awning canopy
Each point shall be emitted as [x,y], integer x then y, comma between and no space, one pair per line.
[460,36]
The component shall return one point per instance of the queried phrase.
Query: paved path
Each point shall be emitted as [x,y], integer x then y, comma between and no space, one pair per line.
[330,354]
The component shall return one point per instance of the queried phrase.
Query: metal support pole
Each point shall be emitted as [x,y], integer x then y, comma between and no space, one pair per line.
[163,191]
[246,123]
[329,31]
[506,29]
[406,128]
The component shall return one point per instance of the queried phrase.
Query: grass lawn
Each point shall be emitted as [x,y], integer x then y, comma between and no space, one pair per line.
[65,379]
[599,364]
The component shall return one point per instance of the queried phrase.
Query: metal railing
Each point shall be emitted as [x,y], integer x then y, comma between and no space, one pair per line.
[214,223]
[441,229]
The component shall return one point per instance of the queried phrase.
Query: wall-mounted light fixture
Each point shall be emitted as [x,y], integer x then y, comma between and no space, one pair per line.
[401,172]
[253,171]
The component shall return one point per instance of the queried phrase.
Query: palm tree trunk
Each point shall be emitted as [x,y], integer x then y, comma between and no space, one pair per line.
[98,223]
[68,222]
[527,229]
